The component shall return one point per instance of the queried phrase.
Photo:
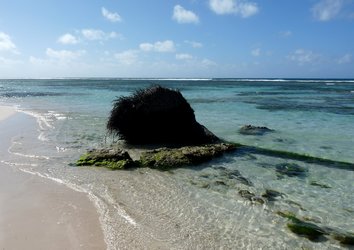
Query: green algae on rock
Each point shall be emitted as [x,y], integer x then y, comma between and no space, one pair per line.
[161,158]
[168,158]
[302,228]
[314,232]
[346,238]
[109,158]
[306,229]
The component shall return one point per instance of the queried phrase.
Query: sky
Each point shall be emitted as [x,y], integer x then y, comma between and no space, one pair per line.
[177,39]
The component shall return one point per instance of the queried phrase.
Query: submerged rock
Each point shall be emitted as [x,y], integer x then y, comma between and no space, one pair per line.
[272,195]
[234,174]
[345,238]
[313,231]
[157,115]
[305,229]
[254,130]
[291,170]
[251,197]
[315,183]
[246,194]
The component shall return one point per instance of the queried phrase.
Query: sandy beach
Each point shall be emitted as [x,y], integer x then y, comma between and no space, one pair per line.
[37,213]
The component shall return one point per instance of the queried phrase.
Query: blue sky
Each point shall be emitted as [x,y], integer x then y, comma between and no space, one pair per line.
[185,38]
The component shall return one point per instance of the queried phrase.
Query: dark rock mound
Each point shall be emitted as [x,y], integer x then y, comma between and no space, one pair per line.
[157,115]
[254,130]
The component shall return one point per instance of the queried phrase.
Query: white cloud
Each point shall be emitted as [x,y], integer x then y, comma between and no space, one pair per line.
[256,52]
[181,15]
[127,57]
[64,55]
[165,46]
[6,43]
[286,33]
[194,44]
[243,8]
[68,39]
[326,10]
[9,62]
[347,58]
[208,63]
[146,46]
[98,35]
[184,57]
[302,56]
[111,16]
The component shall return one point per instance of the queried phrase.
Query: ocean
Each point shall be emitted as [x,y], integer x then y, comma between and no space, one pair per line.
[233,202]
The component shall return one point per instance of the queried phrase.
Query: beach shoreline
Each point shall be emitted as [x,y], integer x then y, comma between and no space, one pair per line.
[37,213]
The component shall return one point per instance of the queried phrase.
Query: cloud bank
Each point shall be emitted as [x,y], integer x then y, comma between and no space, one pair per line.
[111,16]
[68,39]
[242,8]
[326,10]
[164,46]
[181,15]
[6,43]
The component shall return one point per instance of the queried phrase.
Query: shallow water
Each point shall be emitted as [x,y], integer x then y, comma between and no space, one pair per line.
[199,207]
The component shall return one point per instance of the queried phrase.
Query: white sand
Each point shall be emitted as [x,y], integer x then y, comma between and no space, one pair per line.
[37,213]
[6,112]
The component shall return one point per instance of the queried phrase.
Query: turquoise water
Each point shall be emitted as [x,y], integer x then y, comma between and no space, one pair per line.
[197,207]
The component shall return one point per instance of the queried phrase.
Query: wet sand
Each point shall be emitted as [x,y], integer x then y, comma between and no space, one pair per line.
[37,213]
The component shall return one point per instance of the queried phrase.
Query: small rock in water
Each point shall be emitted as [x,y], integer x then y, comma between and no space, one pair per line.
[302,228]
[271,195]
[291,170]
[346,238]
[306,229]
[314,232]
[251,196]
[246,194]
[254,130]
[234,175]
[315,183]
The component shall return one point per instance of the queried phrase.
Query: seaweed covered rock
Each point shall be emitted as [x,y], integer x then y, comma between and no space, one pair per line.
[109,158]
[302,228]
[161,158]
[157,115]
[166,158]
[345,238]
